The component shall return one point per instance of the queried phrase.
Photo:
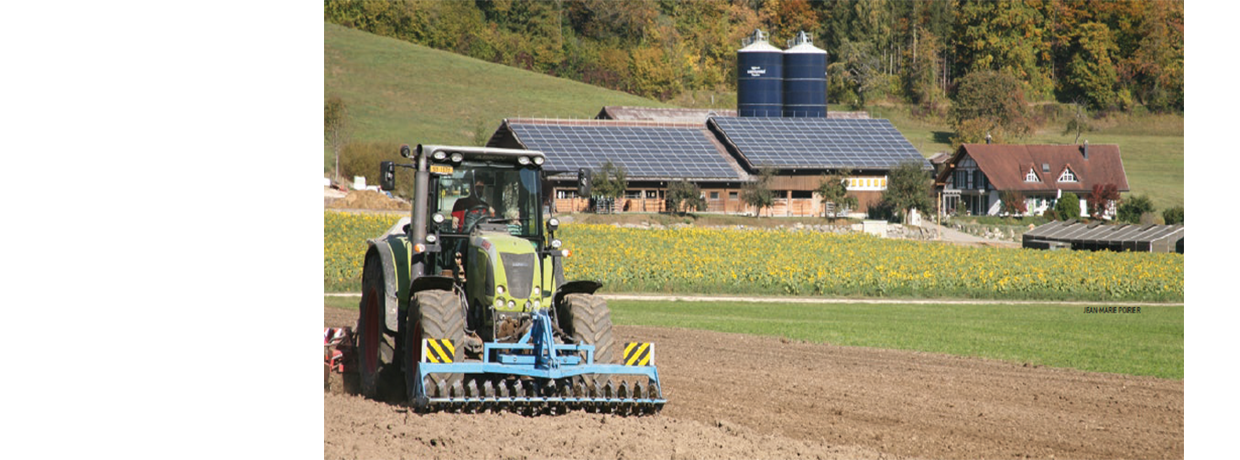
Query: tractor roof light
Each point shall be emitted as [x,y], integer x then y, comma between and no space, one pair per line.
[499,290]
[556,243]
[524,161]
[539,160]
[511,304]
[431,238]
[553,224]
[439,155]
[457,157]
[437,218]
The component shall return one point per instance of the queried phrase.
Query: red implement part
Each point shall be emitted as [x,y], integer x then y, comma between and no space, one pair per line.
[338,350]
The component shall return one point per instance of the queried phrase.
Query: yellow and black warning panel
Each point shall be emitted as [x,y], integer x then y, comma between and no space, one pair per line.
[639,354]
[437,351]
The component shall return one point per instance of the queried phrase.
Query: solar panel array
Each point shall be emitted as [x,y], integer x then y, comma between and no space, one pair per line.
[819,142]
[667,152]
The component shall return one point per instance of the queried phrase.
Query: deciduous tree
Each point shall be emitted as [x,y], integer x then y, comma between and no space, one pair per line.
[834,190]
[758,193]
[337,130]
[908,187]
[682,196]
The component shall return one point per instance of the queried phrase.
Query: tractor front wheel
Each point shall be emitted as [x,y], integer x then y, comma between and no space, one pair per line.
[433,314]
[587,319]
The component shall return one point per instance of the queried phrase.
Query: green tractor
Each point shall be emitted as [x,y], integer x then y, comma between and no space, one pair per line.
[466,306]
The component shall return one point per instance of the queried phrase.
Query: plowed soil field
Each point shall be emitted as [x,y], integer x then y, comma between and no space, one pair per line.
[740,396]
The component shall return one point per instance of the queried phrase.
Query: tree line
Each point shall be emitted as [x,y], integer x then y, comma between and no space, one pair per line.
[1105,55]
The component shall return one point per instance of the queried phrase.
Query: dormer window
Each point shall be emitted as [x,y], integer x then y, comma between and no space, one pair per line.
[1067,175]
[1031,176]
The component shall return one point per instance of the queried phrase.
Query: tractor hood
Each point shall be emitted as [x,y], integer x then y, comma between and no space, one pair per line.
[510,270]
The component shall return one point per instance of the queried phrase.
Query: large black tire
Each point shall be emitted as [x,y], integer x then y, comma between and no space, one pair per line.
[587,319]
[433,314]
[375,350]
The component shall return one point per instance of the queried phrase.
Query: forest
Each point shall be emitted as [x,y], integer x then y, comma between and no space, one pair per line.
[1104,56]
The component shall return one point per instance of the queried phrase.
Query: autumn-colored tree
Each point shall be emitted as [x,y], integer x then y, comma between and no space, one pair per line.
[1007,37]
[1013,203]
[1102,199]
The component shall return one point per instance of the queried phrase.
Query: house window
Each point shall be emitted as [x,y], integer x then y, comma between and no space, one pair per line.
[964,180]
[1067,176]
[565,194]
[732,195]
[979,180]
[652,194]
[1031,176]
[714,195]
[633,194]
[802,194]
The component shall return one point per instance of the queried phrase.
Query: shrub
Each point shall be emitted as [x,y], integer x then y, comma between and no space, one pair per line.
[1068,207]
[1013,203]
[1173,215]
[1131,209]
[362,159]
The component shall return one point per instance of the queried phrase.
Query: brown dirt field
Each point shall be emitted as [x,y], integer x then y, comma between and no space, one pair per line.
[739,396]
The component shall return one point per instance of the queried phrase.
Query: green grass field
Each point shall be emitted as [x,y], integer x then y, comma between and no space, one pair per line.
[400,92]
[1147,343]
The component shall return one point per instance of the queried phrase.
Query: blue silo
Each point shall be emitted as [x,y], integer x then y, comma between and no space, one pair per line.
[759,78]
[805,79]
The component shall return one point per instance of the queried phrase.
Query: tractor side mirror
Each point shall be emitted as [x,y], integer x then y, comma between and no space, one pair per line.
[583,182]
[387,175]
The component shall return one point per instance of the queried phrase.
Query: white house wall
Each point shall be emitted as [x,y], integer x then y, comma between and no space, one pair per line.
[995,204]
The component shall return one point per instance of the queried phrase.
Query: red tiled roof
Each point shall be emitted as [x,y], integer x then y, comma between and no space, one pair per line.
[1005,166]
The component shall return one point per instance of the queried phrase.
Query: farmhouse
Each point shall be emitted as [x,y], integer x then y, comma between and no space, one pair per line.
[972,180]
[719,154]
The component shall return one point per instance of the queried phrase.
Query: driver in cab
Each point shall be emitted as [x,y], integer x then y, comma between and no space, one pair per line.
[472,206]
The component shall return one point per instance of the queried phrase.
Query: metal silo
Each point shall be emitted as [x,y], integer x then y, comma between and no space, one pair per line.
[759,78]
[805,79]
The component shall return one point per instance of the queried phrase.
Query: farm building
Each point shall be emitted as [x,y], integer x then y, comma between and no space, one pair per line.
[1096,236]
[781,124]
[972,180]
[720,156]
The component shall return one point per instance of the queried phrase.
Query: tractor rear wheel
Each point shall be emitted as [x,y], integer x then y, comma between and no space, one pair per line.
[588,320]
[375,349]
[433,314]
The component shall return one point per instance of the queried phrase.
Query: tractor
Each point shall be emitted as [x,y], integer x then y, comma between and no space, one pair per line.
[466,308]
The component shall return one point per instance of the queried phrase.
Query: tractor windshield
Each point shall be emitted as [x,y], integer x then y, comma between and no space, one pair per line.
[489,193]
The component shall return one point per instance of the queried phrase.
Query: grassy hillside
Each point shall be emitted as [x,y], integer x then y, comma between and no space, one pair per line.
[401,92]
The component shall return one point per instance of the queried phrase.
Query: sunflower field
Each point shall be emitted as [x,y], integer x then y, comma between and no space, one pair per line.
[807,263]
[344,246]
